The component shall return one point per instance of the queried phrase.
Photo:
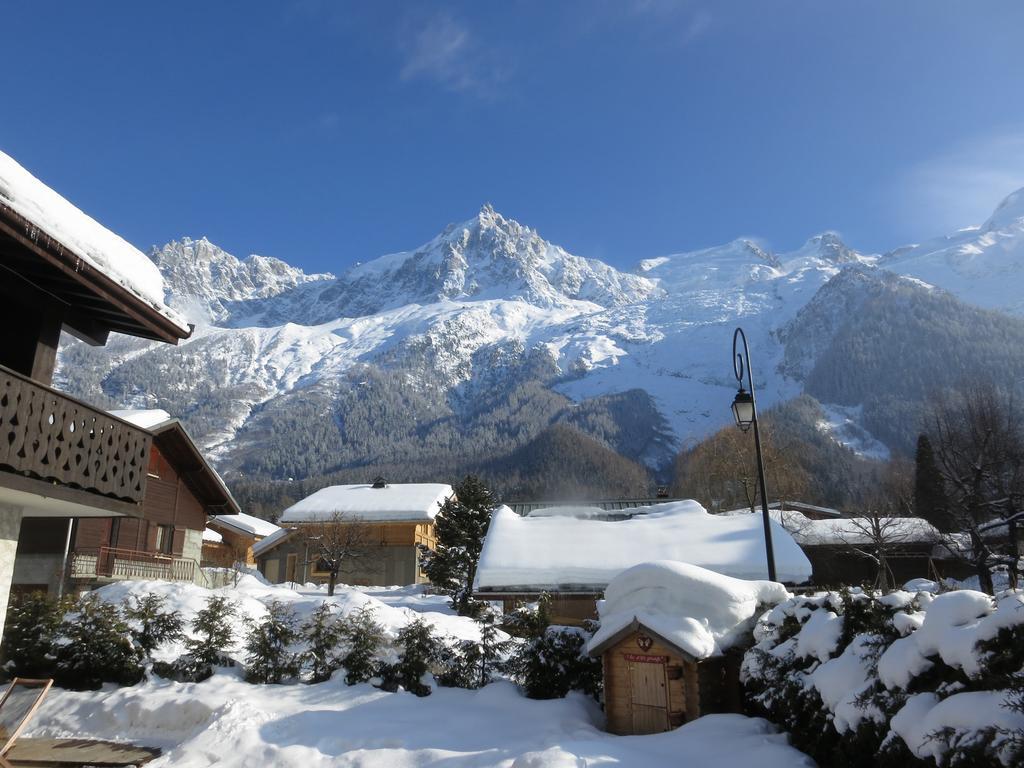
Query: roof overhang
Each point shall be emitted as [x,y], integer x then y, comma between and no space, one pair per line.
[629,629]
[177,446]
[95,303]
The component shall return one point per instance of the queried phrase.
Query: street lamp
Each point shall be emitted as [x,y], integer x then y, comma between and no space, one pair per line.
[744,409]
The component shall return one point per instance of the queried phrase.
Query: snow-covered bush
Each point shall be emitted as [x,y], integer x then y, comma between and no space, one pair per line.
[30,634]
[555,662]
[420,654]
[269,657]
[863,679]
[149,623]
[95,647]
[212,635]
[363,638]
[322,633]
[471,664]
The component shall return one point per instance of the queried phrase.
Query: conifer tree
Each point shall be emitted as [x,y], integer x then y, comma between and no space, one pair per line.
[323,633]
[420,654]
[212,626]
[33,625]
[269,658]
[99,648]
[930,500]
[363,636]
[150,625]
[461,526]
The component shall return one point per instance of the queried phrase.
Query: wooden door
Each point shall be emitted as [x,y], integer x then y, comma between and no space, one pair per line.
[289,568]
[648,692]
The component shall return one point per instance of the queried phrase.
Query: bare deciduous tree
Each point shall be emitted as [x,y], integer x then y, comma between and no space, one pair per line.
[722,470]
[335,543]
[978,441]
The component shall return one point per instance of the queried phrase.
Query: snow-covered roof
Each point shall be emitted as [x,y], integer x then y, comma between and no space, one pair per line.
[391,503]
[212,536]
[699,611]
[271,541]
[561,553]
[855,530]
[248,524]
[145,418]
[84,236]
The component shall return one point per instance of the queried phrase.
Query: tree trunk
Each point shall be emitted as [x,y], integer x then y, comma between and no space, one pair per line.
[331,582]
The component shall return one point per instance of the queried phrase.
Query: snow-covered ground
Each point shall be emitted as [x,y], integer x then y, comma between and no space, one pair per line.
[226,722]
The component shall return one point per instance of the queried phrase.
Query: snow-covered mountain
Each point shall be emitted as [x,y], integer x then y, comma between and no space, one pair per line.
[981,265]
[473,342]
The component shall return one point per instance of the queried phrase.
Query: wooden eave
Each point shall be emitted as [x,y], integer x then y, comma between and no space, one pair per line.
[96,304]
[177,447]
[635,626]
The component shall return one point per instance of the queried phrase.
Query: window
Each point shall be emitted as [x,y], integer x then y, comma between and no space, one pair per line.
[165,539]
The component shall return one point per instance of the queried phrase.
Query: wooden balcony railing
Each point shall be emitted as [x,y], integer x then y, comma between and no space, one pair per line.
[47,435]
[116,564]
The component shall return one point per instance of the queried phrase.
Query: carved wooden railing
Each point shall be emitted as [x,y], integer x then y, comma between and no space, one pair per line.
[113,563]
[47,435]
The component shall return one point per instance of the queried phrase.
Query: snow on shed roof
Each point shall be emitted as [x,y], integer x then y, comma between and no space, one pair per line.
[87,238]
[529,554]
[212,536]
[391,503]
[699,611]
[254,526]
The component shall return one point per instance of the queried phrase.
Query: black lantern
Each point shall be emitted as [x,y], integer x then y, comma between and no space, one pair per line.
[743,409]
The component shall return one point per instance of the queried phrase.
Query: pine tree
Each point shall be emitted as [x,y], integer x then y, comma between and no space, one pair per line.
[268,654]
[461,526]
[32,628]
[323,633]
[421,652]
[930,500]
[98,648]
[212,625]
[363,636]
[149,624]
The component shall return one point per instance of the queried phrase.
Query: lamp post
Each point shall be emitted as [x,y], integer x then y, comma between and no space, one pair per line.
[744,409]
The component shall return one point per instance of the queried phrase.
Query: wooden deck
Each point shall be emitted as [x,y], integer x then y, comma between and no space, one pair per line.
[75,753]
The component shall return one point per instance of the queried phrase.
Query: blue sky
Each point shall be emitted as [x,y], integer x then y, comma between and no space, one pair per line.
[327,133]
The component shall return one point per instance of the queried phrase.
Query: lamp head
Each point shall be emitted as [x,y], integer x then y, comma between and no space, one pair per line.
[743,409]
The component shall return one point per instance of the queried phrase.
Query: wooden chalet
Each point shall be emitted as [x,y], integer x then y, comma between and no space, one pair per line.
[62,271]
[230,538]
[164,542]
[396,519]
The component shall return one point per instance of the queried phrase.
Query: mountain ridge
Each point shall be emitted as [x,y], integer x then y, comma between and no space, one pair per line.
[458,335]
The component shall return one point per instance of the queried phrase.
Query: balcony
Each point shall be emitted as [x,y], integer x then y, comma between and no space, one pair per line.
[55,446]
[110,564]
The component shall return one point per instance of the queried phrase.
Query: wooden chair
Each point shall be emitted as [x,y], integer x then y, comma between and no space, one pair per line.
[19,703]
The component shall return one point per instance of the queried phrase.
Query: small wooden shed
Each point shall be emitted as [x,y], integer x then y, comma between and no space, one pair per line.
[671,642]
[651,685]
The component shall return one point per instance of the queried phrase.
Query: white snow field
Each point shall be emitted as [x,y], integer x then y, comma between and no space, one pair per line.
[227,722]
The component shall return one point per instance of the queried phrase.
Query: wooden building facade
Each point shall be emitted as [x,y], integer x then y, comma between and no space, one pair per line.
[62,271]
[390,556]
[164,542]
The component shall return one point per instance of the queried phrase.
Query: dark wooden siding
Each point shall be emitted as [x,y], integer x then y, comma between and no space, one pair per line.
[168,501]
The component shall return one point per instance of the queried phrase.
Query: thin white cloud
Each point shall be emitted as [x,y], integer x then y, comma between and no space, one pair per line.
[682,18]
[963,186]
[443,49]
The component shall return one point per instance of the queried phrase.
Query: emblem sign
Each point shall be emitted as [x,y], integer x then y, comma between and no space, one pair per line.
[644,642]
